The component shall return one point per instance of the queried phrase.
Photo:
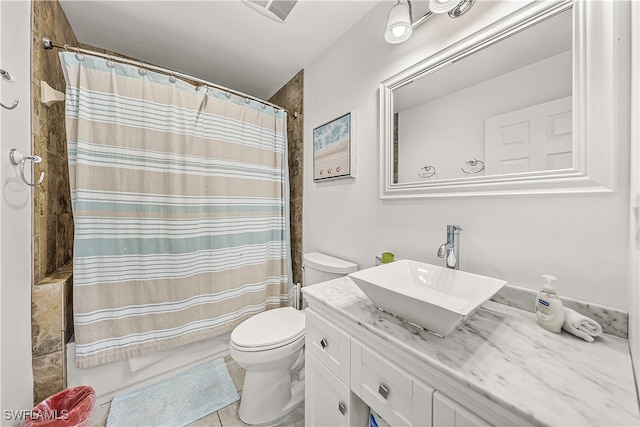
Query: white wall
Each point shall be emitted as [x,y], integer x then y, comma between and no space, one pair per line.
[582,239]
[2,167]
[634,241]
[15,220]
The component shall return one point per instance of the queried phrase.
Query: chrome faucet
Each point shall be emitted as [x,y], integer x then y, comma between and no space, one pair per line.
[449,251]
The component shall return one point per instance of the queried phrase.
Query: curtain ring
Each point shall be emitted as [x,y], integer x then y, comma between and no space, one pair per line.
[172,78]
[141,70]
[247,100]
[264,106]
[110,62]
[79,55]
[66,47]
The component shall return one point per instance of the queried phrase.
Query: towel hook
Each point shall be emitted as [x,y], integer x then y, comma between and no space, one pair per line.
[17,158]
[15,104]
[9,79]
[474,163]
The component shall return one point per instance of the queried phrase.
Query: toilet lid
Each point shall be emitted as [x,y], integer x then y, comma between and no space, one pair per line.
[269,329]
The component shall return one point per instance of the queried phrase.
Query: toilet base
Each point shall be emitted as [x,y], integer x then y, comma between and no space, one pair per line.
[262,409]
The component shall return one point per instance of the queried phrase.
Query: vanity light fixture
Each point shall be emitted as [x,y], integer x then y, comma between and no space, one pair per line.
[442,6]
[399,26]
[400,23]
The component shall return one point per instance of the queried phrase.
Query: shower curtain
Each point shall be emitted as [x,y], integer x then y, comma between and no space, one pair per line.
[178,196]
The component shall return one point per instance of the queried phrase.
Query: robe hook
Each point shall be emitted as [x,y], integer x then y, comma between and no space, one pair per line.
[7,76]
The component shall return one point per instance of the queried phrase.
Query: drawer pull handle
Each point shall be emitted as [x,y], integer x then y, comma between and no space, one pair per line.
[383,391]
[324,343]
[342,408]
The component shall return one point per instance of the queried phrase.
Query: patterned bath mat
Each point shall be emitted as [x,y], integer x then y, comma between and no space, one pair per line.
[176,401]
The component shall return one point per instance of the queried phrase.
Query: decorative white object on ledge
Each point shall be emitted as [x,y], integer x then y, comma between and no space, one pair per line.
[49,95]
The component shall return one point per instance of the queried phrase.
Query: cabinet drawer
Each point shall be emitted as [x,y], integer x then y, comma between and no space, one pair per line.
[391,392]
[329,345]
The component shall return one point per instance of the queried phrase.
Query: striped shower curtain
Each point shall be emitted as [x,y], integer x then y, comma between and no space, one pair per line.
[178,197]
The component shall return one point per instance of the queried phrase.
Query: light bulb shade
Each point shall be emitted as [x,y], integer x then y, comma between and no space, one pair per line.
[443,6]
[398,24]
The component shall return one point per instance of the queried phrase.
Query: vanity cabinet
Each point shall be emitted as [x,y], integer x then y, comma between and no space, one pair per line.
[345,377]
[446,412]
[494,370]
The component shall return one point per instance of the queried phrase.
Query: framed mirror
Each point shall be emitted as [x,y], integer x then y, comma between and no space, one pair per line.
[525,106]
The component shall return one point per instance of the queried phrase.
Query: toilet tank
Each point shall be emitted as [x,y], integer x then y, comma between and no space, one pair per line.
[319,267]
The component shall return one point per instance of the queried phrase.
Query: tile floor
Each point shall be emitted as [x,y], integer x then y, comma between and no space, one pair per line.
[228,416]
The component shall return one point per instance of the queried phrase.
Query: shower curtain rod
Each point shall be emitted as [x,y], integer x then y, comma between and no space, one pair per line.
[48,44]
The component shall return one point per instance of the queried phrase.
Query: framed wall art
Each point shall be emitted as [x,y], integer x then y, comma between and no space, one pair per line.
[333,149]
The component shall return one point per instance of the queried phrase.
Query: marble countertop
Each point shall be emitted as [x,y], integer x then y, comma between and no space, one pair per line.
[502,354]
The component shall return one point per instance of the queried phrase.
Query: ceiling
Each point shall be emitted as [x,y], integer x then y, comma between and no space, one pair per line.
[223,41]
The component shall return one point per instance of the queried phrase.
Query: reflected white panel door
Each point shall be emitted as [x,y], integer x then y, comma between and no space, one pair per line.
[532,139]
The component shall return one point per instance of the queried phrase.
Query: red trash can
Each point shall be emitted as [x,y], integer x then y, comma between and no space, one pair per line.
[69,408]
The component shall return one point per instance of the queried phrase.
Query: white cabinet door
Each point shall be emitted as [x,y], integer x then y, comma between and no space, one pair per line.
[328,401]
[448,413]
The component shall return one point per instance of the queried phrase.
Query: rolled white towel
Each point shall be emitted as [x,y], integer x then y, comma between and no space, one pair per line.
[580,326]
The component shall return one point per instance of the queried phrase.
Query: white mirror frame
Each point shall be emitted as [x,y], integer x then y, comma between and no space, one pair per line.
[595,108]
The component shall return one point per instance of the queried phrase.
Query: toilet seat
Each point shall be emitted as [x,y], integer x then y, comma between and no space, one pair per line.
[269,330]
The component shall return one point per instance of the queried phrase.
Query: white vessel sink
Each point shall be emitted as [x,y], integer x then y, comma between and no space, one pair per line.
[435,298]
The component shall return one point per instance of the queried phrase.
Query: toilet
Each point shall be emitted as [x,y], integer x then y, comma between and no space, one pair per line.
[269,346]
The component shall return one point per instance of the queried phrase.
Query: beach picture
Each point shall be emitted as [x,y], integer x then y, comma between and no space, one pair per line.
[332,149]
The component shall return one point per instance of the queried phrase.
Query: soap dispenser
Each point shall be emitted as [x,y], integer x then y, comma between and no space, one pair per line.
[549,307]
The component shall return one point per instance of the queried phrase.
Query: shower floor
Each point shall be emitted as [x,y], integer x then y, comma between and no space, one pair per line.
[227,416]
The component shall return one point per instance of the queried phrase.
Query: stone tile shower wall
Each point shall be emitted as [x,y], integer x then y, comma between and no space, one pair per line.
[290,96]
[53,222]
[51,296]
